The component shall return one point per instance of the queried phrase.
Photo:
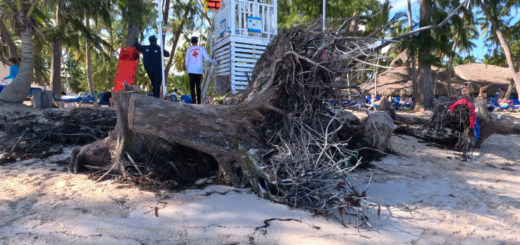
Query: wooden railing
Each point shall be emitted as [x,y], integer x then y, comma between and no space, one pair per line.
[235,16]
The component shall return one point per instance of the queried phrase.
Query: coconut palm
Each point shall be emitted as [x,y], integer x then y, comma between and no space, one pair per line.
[494,10]
[25,26]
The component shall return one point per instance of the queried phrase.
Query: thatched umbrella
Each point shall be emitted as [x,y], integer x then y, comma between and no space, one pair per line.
[397,81]
[481,74]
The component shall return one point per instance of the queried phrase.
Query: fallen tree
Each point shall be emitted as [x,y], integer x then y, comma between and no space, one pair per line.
[26,132]
[281,138]
[454,127]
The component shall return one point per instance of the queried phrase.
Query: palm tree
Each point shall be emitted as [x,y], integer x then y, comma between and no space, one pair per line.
[494,10]
[185,13]
[25,25]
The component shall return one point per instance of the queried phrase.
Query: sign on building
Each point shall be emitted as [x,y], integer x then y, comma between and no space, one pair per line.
[254,24]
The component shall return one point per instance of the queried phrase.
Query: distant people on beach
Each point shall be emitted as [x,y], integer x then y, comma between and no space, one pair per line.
[13,70]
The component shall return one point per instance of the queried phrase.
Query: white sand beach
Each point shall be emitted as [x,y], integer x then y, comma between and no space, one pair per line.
[427,196]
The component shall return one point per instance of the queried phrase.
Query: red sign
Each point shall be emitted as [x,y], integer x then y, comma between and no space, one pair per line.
[214,4]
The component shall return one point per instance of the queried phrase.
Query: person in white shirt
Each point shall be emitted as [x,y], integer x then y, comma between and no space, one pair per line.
[193,61]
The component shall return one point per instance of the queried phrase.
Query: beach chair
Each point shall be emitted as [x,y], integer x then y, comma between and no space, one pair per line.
[87,97]
[186,98]
[104,99]
[516,104]
[494,104]
[408,105]
[67,99]
[369,102]
[396,102]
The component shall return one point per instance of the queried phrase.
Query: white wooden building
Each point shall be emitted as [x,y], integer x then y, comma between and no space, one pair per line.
[242,30]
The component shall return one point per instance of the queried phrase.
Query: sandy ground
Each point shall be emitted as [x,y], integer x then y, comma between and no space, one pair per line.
[428,196]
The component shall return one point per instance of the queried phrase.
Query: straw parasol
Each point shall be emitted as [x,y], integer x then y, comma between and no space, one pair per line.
[482,74]
[397,81]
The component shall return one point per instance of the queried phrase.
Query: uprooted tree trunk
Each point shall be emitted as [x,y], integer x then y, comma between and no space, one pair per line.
[452,128]
[280,138]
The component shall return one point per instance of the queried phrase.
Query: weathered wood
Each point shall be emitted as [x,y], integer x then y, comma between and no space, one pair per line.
[228,133]
[377,130]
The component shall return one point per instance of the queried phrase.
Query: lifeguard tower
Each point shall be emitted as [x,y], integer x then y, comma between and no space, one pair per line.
[242,29]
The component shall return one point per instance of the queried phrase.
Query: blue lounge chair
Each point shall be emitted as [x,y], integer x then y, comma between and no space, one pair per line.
[516,103]
[87,97]
[369,101]
[69,98]
[104,99]
[186,98]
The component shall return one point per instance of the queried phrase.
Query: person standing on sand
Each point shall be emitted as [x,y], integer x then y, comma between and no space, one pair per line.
[13,71]
[152,63]
[193,62]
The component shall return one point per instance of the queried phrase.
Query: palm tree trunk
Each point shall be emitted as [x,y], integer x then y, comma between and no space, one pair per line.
[505,48]
[132,35]
[166,14]
[6,38]
[89,58]
[18,90]
[176,35]
[56,54]
[425,88]
[450,65]
[354,24]
[414,59]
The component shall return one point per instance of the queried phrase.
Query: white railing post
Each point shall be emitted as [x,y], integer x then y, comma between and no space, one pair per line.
[275,17]
[232,14]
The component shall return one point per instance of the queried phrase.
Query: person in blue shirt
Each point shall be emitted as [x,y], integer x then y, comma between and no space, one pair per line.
[13,71]
[152,63]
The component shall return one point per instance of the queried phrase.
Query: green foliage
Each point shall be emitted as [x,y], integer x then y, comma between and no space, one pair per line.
[295,12]
[75,75]
[180,82]
[497,57]
[459,60]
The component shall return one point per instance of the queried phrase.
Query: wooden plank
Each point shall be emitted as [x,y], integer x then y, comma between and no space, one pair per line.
[240,69]
[249,46]
[245,65]
[250,60]
[250,51]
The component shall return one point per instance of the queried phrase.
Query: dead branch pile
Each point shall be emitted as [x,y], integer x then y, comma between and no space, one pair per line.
[313,148]
[28,133]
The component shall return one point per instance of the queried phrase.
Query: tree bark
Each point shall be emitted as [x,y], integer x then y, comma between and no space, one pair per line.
[57,54]
[425,89]
[176,36]
[504,45]
[17,91]
[228,133]
[353,25]
[88,53]
[413,56]
[166,14]
[6,38]
[134,28]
